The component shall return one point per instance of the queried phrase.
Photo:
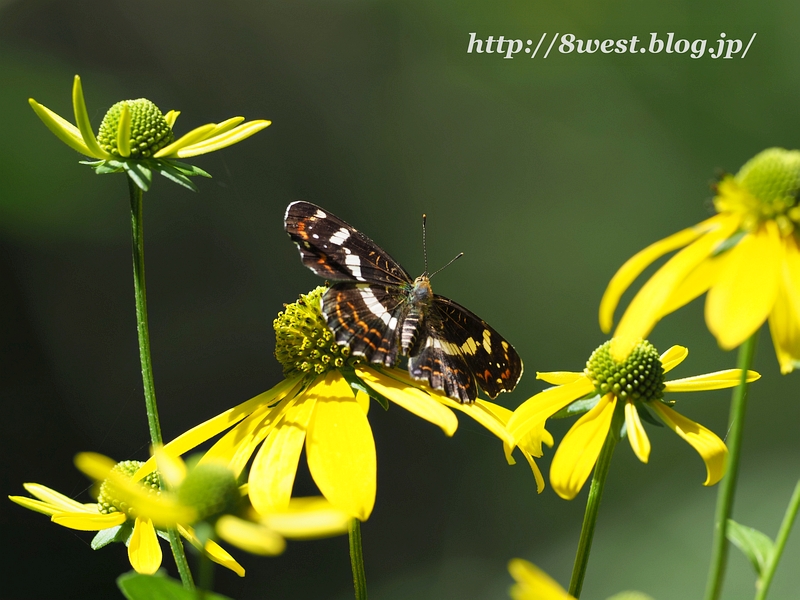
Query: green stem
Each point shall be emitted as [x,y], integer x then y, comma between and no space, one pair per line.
[592,508]
[143,331]
[357,560]
[780,544]
[727,489]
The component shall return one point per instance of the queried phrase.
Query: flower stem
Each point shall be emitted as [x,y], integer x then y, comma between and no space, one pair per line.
[357,560]
[727,490]
[143,331]
[780,544]
[592,508]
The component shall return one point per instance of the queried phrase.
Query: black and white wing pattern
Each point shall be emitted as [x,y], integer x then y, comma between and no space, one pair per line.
[380,312]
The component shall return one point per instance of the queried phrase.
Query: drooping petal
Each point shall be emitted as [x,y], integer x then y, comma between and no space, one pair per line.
[308,518]
[171,469]
[63,129]
[56,499]
[746,288]
[171,117]
[83,123]
[578,451]
[248,536]
[718,380]
[646,307]
[784,320]
[411,398]
[275,466]
[537,473]
[533,583]
[559,377]
[124,132]
[673,357]
[144,551]
[696,283]
[711,449]
[215,552]
[85,521]
[480,412]
[205,431]
[341,450]
[530,416]
[634,266]
[223,140]
[637,436]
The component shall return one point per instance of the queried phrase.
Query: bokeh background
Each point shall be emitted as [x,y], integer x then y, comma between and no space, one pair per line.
[547,174]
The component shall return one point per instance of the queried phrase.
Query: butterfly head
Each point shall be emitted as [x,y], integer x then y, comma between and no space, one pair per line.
[421,292]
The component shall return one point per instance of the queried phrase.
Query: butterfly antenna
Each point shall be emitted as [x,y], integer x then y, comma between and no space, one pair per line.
[424,243]
[452,260]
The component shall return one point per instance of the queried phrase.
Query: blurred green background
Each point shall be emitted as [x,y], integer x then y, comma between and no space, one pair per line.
[547,174]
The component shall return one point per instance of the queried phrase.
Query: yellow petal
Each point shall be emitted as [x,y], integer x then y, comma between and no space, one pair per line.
[205,431]
[63,129]
[171,469]
[634,266]
[94,465]
[578,451]
[559,377]
[275,466]
[410,397]
[214,551]
[696,283]
[144,551]
[480,412]
[223,140]
[248,536]
[308,518]
[341,450]
[533,583]
[673,357]
[646,307]
[784,320]
[711,449]
[531,415]
[718,380]
[171,117]
[637,436]
[195,135]
[83,123]
[745,291]
[537,473]
[56,499]
[124,132]
[85,521]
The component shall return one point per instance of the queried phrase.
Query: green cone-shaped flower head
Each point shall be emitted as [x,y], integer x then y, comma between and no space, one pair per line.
[639,377]
[108,496]
[210,489]
[148,130]
[304,344]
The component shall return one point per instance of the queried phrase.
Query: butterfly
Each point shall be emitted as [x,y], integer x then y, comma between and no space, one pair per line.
[382,313]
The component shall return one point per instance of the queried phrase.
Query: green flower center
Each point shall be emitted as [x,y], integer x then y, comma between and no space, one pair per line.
[303,342]
[765,188]
[640,377]
[149,129]
[107,501]
[211,489]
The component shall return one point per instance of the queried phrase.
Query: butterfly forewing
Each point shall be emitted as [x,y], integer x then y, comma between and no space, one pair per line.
[453,349]
[335,250]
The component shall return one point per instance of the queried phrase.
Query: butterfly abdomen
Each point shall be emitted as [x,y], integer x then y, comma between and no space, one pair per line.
[420,297]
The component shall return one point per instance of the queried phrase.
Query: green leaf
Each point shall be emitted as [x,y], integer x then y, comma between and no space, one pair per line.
[135,586]
[120,533]
[578,407]
[631,596]
[139,173]
[175,176]
[360,386]
[187,169]
[756,546]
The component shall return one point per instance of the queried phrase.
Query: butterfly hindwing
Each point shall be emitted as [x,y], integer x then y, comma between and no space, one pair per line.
[490,358]
[335,250]
[444,367]
[366,318]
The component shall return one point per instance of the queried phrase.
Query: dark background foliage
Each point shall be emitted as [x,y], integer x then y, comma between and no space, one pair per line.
[547,174]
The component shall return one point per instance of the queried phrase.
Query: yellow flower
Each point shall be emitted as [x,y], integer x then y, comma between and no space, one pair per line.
[137,138]
[322,405]
[746,257]
[533,583]
[632,390]
[116,521]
